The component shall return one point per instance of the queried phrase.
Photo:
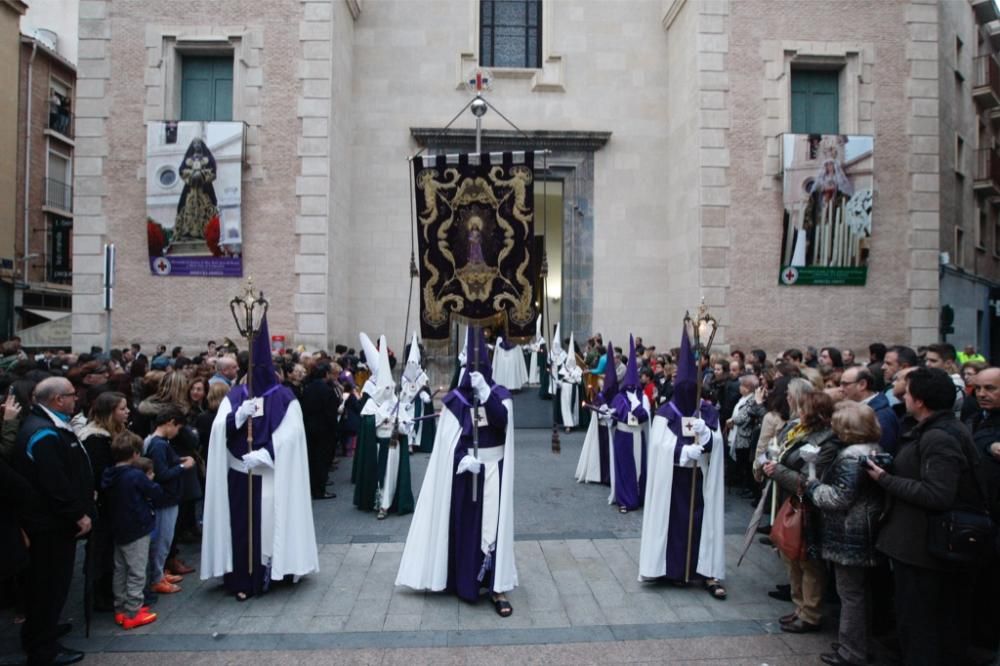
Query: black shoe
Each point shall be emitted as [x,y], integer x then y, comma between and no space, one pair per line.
[780,595]
[800,627]
[67,656]
[764,529]
[324,496]
[834,659]
[786,587]
[63,629]
[766,540]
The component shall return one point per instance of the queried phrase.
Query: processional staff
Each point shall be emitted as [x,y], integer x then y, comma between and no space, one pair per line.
[248,313]
[706,325]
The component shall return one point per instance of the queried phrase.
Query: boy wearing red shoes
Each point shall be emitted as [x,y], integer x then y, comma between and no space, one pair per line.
[168,467]
[131,493]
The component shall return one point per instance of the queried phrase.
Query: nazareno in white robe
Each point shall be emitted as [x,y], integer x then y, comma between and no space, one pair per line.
[424,565]
[508,367]
[287,531]
[656,508]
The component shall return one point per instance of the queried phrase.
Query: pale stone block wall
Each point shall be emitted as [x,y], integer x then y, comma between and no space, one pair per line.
[606,69]
[870,39]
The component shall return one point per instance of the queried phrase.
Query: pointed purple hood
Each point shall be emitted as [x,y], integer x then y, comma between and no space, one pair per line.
[631,380]
[686,381]
[264,376]
[474,339]
[610,389]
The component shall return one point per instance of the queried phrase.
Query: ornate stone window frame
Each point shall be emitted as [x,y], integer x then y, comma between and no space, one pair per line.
[855,63]
[548,78]
[166,45]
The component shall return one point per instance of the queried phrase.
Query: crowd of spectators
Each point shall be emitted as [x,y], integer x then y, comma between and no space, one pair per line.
[108,449]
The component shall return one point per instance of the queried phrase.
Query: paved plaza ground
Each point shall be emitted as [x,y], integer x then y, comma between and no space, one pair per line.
[579,599]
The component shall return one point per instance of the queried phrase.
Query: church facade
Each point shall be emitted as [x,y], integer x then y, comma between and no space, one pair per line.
[663,185]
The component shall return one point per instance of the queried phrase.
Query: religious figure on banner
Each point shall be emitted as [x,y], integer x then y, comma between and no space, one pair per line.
[476,243]
[198,204]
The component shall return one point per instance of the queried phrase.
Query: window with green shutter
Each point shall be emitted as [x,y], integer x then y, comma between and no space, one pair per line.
[207,88]
[815,101]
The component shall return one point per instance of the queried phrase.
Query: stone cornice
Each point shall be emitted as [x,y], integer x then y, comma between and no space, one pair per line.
[496,140]
[20,7]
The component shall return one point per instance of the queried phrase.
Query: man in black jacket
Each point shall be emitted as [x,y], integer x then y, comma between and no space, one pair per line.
[985,425]
[931,474]
[51,458]
[320,406]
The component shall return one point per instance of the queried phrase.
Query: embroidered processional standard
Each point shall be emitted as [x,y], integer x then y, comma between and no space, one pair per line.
[476,242]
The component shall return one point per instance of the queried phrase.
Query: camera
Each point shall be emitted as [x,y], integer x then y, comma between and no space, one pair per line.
[883,460]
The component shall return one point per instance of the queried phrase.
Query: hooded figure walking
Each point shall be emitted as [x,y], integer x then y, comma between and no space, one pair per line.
[683,530]
[258,522]
[462,535]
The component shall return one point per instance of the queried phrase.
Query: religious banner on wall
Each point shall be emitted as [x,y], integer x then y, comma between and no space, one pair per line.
[475,233]
[827,223]
[194,173]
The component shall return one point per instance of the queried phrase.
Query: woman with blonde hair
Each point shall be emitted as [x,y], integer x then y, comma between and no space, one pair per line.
[802,455]
[850,503]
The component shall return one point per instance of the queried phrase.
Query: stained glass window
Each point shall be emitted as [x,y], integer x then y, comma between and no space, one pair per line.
[510,33]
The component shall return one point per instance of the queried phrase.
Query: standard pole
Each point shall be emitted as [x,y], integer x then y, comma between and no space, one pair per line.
[694,471]
[475,418]
[250,448]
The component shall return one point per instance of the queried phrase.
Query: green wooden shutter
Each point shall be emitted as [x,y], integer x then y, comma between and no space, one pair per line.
[207,88]
[815,101]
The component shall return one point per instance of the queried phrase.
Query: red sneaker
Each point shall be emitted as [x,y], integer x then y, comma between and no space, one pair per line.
[140,619]
[120,617]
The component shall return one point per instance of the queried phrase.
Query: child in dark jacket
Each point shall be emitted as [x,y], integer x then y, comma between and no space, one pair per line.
[168,467]
[131,494]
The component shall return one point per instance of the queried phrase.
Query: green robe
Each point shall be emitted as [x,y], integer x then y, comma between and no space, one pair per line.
[371,457]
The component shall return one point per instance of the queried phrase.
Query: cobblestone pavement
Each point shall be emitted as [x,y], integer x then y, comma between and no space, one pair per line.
[579,599]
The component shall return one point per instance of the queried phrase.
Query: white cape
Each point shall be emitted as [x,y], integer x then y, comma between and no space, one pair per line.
[508,368]
[424,565]
[287,531]
[656,511]
[588,468]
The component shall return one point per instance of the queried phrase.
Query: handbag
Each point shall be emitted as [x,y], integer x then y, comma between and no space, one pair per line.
[964,535]
[788,530]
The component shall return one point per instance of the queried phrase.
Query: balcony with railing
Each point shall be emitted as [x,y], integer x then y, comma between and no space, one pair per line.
[987,181]
[60,116]
[986,85]
[58,195]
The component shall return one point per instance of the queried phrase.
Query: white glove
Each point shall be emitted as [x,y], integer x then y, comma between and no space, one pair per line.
[425,398]
[244,412]
[479,385]
[255,459]
[469,463]
[604,410]
[702,431]
[633,400]
[809,452]
[690,452]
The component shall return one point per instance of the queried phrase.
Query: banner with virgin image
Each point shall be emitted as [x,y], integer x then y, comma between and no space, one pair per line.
[475,233]
[827,222]
[194,173]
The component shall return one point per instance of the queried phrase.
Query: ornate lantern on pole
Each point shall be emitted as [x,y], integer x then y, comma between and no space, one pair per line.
[704,327]
[248,312]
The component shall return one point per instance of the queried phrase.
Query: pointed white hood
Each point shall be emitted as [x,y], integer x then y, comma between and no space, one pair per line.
[556,344]
[461,350]
[570,361]
[371,353]
[412,369]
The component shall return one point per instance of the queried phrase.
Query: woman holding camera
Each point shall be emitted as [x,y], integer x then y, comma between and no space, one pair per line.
[805,449]
[850,504]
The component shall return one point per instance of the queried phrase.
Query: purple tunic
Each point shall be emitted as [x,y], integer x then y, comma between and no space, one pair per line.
[687,484]
[630,489]
[468,569]
[276,401]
